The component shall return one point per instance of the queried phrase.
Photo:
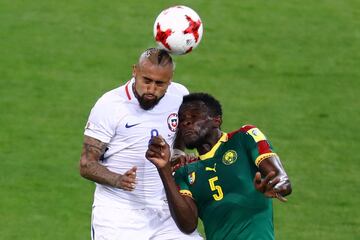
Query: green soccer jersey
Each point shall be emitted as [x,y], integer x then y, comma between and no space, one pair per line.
[221,183]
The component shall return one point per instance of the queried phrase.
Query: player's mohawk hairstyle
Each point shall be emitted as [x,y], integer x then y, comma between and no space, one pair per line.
[157,56]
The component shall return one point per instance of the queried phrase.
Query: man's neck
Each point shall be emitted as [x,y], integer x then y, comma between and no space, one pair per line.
[211,141]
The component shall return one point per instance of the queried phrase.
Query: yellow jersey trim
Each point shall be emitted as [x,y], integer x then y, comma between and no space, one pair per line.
[256,134]
[260,158]
[211,153]
[186,193]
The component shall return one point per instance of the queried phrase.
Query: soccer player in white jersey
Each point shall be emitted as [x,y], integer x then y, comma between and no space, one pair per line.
[129,199]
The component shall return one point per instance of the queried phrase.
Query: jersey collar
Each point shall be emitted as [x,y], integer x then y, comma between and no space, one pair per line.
[211,153]
[129,89]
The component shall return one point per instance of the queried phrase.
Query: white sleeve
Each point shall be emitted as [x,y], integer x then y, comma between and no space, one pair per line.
[179,88]
[102,121]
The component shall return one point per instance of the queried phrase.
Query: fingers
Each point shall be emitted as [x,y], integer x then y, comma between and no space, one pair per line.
[282,189]
[127,185]
[270,186]
[158,141]
[280,197]
[272,183]
[155,150]
[257,179]
[265,184]
[158,148]
[283,185]
[132,170]
[257,183]
[128,180]
[269,177]
[150,154]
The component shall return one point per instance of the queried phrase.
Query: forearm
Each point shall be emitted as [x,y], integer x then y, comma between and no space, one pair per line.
[274,164]
[183,212]
[90,167]
[96,172]
[183,209]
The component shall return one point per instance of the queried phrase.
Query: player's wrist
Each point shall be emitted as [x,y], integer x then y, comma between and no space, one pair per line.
[117,181]
[165,169]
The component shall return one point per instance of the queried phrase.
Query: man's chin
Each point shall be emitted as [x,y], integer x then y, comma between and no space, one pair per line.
[190,145]
[148,104]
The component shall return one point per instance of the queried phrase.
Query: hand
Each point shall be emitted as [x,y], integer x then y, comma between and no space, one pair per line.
[181,160]
[270,186]
[158,152]
[127,181]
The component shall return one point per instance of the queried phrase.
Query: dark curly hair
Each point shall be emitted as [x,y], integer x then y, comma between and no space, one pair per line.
[213,105]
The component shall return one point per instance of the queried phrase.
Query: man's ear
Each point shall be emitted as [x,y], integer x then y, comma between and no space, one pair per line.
[134,68]
[217,121]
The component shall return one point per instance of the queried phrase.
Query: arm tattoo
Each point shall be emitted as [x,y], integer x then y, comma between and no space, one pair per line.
[94,147]
[90,167]
[94,150]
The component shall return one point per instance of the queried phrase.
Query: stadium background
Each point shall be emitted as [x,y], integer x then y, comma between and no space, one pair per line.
[289,67]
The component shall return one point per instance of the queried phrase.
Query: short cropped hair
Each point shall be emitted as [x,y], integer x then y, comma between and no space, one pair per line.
[213,105]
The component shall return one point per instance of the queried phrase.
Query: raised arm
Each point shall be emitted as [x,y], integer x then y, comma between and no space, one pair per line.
[276,183]
[91,169]
[183,208]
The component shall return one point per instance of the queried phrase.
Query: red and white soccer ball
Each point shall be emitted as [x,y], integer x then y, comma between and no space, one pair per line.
[178,30]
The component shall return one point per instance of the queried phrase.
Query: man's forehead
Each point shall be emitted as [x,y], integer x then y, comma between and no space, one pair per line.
[193,106]
[147,65]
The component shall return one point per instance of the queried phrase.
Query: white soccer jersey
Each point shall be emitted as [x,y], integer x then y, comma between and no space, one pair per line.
[117,119]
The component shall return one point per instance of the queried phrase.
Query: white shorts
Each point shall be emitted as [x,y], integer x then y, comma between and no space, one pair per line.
[109,223]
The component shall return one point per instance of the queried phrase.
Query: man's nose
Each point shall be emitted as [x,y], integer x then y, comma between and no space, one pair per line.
[185,123]
[151,88]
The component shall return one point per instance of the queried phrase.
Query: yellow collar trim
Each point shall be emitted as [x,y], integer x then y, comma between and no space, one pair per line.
[211,153]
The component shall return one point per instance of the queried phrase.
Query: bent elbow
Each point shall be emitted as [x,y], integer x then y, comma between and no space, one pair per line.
[83,172]
[188,230]
[83,168]
[189,227]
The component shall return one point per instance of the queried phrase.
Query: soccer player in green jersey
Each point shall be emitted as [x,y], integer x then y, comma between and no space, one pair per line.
[231,185]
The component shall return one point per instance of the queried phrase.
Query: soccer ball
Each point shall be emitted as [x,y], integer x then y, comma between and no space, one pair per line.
[178,30]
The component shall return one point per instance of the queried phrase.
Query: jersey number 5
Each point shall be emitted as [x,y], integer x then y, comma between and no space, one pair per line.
[219,193]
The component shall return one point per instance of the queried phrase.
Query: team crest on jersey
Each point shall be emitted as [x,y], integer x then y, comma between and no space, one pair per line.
[172,122]
[191,177]
[229,157]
